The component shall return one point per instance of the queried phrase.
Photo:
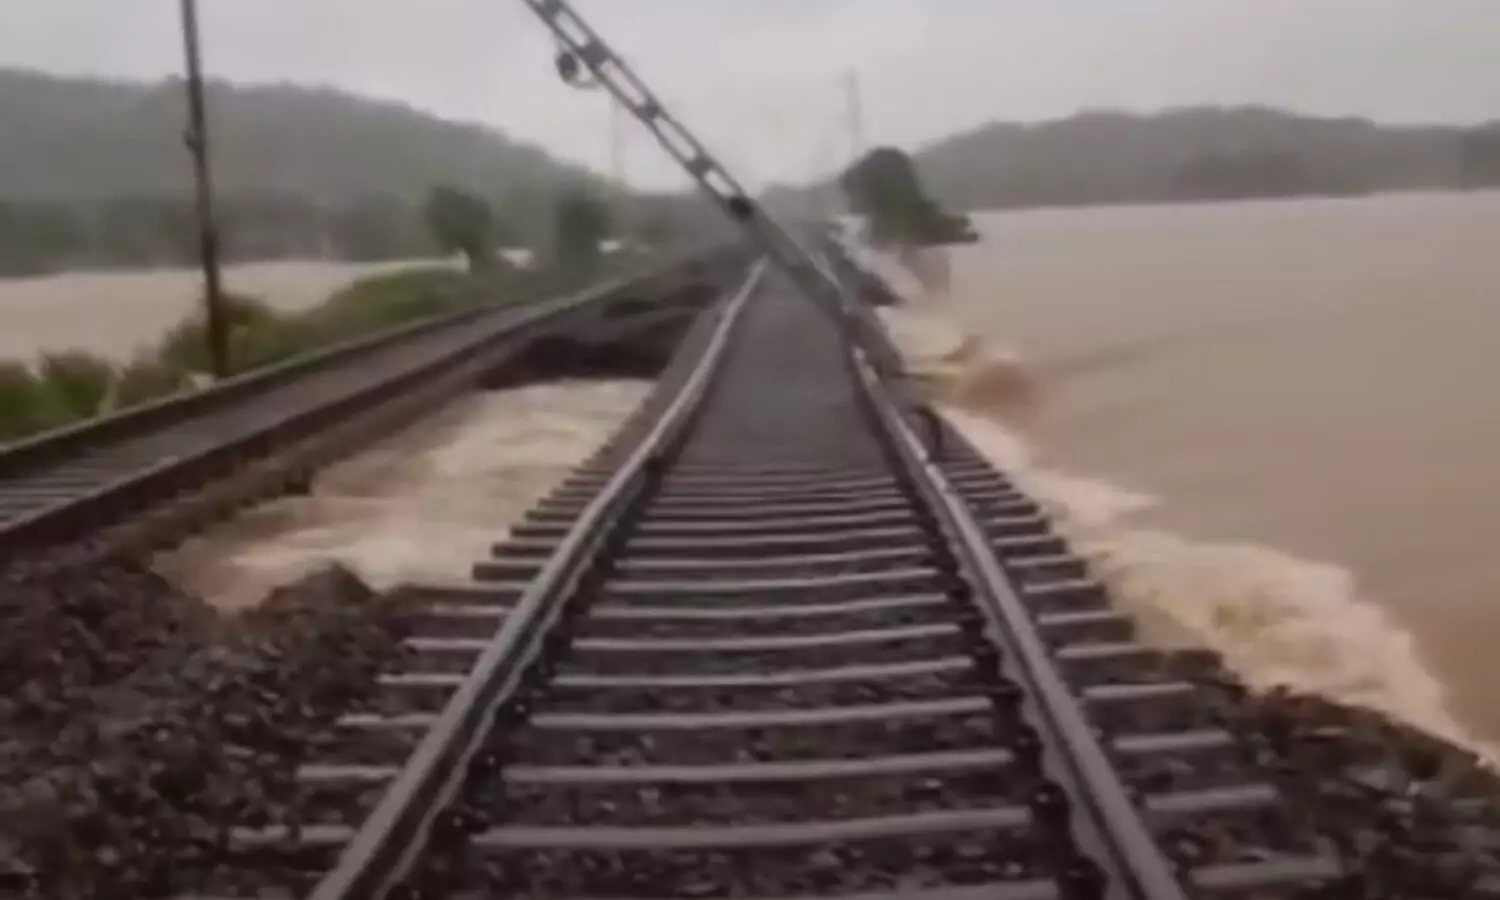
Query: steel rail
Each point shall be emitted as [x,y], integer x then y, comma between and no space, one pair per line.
[394,836]
[473,330]
[1112,820]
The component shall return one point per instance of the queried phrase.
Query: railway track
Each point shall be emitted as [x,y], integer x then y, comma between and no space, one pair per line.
[768,644]
[761,645]
[141,474]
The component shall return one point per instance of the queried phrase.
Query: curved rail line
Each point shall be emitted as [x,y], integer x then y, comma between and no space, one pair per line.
[263,432]
[767,643]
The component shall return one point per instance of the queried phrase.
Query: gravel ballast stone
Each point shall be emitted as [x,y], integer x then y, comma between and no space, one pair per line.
[150,724]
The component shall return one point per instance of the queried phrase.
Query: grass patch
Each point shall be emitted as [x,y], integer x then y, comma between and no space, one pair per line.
[63,387]
[185,345]
[146,378]
[23,406]
[76,383]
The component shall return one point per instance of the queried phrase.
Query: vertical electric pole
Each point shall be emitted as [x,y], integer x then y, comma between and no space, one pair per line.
[617,173]
[854,120]
[856,113]
[616,143]
[196,138]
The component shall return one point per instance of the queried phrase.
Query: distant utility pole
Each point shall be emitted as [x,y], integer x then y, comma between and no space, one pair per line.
[208,239]
[856,113]
[616,143]
[854,120]
[617,167]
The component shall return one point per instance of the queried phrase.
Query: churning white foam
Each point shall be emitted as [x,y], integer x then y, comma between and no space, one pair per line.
[422,507]
[1275,618]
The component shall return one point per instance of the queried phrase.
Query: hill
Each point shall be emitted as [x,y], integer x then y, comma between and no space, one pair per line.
[1200,154]
[95,173]
[91,140]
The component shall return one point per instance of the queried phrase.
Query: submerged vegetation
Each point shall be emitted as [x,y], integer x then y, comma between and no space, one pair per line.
[60,388]
[63,387]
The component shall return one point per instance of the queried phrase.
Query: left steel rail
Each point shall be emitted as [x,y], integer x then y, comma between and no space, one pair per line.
[397,832]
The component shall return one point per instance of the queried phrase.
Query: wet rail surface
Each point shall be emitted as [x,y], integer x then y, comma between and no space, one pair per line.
[69,485]
[741,652]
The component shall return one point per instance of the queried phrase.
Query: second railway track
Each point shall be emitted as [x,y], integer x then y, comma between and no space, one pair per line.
[141,474]
[755,648]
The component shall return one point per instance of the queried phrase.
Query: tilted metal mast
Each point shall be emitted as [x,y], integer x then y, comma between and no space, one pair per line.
[582,46]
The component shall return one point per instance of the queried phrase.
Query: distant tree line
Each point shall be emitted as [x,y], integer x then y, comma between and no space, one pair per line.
[1205,153]
[1278,172]
[462,222]
[63,386]
[93,174]
[38,237]
[1479,158]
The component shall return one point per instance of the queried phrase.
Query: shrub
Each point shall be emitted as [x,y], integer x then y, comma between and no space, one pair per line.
[77,383]
[377,302]
[22,402]
[144,379]
[185,345]
[74,384]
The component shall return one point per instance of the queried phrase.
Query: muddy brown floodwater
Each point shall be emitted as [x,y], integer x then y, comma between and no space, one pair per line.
[1273,425]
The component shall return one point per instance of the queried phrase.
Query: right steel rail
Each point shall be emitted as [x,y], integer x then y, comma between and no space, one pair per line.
[1126,853]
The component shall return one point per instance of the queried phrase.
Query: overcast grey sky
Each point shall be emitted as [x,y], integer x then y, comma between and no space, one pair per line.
[760,79]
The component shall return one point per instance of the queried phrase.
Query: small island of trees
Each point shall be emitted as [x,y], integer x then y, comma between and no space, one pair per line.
[883,187]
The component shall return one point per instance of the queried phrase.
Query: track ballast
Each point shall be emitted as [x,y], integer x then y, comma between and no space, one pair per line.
[750,650]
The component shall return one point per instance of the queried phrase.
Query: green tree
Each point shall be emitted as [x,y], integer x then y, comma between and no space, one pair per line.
[24,406]
[581,223]
[883,186]
[79,382]
[462,223]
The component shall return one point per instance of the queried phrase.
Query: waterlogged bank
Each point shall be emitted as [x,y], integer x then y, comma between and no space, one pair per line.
[47,387]
[118,314]
[1283,415]
[1271,424]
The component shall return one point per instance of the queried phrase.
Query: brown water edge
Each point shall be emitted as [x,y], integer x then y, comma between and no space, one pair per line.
[1265,416]
[1313,376]
[424,505]
[1279,620]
